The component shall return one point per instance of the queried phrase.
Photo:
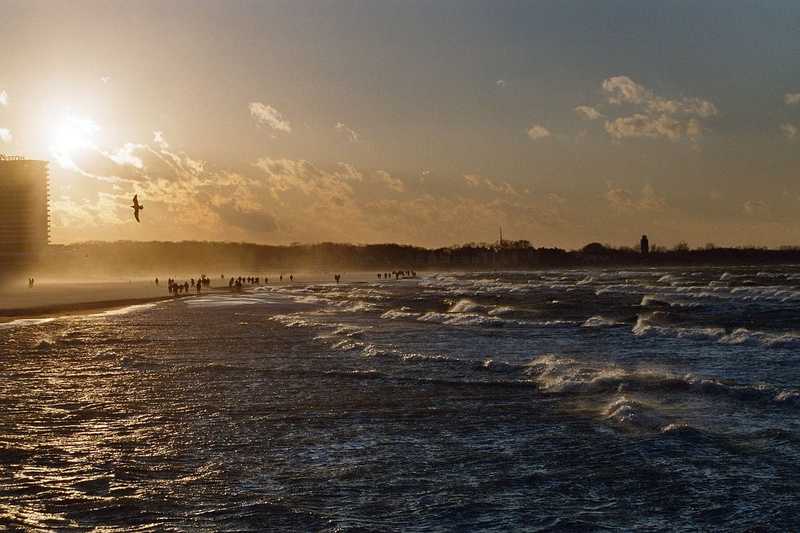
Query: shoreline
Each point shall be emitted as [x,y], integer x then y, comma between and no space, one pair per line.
[74,308]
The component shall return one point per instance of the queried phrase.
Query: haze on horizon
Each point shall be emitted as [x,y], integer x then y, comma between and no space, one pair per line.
[429,123]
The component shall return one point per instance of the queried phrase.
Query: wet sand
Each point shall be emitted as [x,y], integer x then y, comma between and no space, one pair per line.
[58,298]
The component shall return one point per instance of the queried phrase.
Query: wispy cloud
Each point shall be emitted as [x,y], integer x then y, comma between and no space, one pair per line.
[497,186]
[536,132]
[268,115]
[791,98]
[501,83]
[350,133]
[623,201]
[126,156]
[5,135]
[588,112]
[390,181]
[756,208]
[789,131]
[3,98]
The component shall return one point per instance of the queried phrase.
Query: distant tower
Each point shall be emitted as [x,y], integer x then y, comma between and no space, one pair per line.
[501,236]
[24,211]
[645,245]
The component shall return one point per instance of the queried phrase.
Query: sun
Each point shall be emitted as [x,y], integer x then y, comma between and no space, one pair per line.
[70,136]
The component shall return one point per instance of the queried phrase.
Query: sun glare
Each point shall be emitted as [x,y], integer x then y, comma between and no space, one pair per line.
[71,136]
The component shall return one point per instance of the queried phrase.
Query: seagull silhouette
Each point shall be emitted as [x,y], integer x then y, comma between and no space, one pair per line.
[136,207]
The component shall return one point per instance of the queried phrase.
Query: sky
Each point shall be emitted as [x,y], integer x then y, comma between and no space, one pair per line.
[421,122]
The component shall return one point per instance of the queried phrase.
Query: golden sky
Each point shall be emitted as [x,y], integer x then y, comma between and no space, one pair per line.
[429,123]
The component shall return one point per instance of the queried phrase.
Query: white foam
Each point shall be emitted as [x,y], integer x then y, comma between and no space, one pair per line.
[599,321]
[22,322]
[464,305]
[397,314]
[632,413]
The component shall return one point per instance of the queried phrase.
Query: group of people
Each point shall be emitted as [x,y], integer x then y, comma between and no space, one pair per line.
[176,289]
[237,284]
[398,274]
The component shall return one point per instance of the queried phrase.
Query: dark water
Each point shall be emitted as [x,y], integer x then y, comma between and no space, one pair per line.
[563,400]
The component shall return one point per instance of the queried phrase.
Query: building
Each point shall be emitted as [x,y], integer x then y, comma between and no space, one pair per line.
[24,211]
[645,245]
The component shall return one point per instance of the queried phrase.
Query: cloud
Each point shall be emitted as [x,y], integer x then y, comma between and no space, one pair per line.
[789,131]
[350,133]
[501,187]
[588,112]
[390,181]
[104,210]
[791,98]
[254,220]
[3,98]
[623,90]
[266,114]
[623,201]
[755,208]
[536,132]
[654,117]
[501,83]
[5,135]
[641,125]
[105,79]
[125,155]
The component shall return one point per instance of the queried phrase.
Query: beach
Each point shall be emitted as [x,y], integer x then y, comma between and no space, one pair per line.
[51,298]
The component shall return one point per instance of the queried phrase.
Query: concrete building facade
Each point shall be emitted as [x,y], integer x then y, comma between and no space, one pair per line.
[24,211]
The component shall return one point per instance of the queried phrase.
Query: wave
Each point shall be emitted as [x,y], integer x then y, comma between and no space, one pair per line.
[356,307]
[647,325]
[761,338]
[462,319]
[465,305]
[651,300]
[396,314]
[636,414]
[223,301]
[563,375]
[599,321]
[654,324]
[294,320]
[501,310]
[21,322]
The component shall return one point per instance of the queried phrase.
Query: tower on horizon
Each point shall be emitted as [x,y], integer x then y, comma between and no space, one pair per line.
[644,245]
[24,211]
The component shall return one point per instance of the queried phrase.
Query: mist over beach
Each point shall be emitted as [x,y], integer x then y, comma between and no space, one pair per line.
[461,265]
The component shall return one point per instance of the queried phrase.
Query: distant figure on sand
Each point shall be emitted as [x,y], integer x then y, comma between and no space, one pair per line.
[337,277]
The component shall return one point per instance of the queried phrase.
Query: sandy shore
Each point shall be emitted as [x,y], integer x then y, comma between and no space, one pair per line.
[58,298]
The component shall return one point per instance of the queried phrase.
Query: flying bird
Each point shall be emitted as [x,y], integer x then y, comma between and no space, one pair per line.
[136,207]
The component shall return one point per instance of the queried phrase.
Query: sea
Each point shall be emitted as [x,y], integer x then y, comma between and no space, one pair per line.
[650,399]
